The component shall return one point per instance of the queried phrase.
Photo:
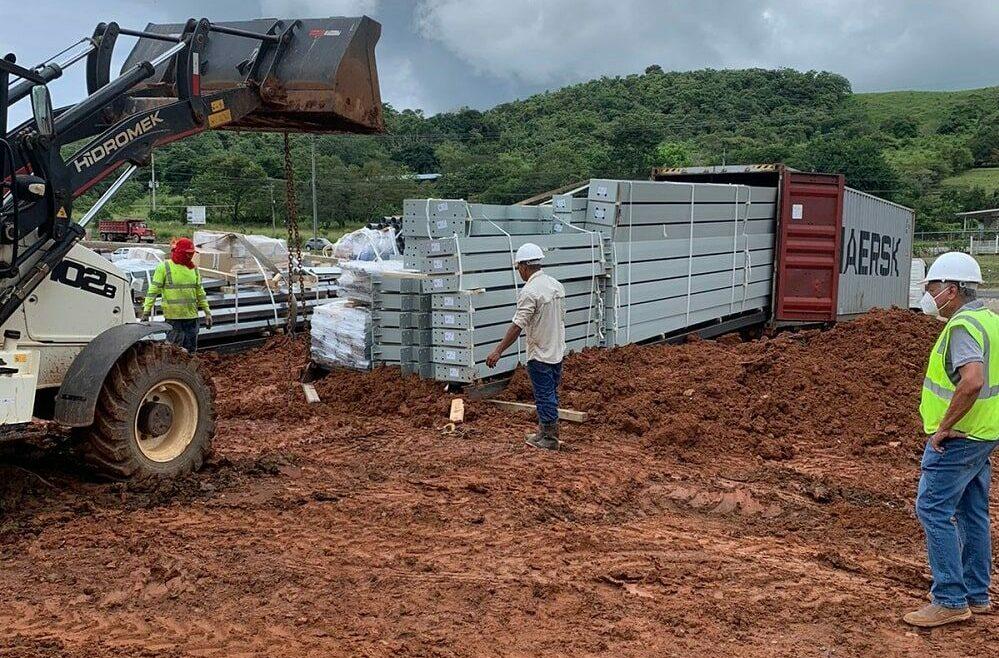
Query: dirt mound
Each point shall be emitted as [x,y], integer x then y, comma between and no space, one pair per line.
[725,498]
[264,384]
[856,383]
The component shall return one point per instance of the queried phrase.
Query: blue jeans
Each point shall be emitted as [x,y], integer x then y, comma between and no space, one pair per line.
[545,378]
[953,506]
[184,333]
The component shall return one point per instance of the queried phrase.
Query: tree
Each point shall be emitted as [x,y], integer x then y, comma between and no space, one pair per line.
[673,154]
[901,126]
[985,145]
[634,137]
[860,160]
[236,182]
[418,156]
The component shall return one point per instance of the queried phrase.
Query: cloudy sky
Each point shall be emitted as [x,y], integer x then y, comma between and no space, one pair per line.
[443,54]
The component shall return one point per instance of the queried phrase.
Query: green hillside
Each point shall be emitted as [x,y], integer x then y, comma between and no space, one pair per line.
[915,148]
[986,178]
[929,108]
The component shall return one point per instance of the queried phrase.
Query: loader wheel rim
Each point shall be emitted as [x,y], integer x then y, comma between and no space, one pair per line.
[171,443]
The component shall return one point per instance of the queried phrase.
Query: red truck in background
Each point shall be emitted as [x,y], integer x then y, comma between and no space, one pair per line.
[125,230]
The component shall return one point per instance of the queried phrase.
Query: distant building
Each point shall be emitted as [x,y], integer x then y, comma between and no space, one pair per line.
[985,220]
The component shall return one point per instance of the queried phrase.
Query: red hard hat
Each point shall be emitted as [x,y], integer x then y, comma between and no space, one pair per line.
[184,245]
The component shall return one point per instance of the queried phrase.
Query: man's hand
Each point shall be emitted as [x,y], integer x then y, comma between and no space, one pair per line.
[493,358]
[938,438]
[144,317]
[208,320]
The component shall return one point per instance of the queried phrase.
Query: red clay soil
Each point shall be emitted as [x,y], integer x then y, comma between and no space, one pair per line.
[724,498]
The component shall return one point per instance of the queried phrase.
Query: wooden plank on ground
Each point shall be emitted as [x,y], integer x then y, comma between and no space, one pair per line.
[570,415]
[311,396]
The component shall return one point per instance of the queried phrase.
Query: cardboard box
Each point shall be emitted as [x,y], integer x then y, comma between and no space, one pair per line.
[213,259]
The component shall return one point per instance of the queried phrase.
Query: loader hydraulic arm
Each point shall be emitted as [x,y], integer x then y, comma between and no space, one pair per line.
[294,75]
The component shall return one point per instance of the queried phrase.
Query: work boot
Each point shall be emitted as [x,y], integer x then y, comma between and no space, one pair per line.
[978,609]
[932,614]
[546,438]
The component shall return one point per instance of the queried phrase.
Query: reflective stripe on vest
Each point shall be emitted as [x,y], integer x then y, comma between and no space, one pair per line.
[180,300]
[982,420]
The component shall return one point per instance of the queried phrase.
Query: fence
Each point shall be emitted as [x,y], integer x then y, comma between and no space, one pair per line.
[934,243]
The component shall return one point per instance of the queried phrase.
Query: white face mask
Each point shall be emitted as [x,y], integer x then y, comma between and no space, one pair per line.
[928,303]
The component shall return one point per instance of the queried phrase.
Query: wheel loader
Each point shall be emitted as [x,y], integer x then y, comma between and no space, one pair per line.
[72,350]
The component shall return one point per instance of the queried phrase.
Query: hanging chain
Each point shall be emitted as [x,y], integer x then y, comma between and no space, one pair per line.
[294,241]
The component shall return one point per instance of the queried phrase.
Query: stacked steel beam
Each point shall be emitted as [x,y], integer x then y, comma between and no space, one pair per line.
[638,260]
[465,252]
[683,253]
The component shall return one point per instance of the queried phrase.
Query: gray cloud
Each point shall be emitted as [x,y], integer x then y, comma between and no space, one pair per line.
[878,44]
[441,54]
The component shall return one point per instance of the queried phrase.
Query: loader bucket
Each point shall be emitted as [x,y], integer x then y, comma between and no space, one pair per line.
[325,80]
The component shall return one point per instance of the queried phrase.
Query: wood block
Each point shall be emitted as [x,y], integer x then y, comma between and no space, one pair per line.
[570,415]
[311,396]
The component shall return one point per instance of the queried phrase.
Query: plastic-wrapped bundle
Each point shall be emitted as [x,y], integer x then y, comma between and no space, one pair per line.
[366,244]
[148,254]
[341,335]
[355,281]
[138,271]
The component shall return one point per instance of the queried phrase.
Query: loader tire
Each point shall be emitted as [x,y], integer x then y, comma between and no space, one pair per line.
[154,417]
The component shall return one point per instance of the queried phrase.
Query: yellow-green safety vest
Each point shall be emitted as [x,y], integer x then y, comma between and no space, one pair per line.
[181,290]
[982,421]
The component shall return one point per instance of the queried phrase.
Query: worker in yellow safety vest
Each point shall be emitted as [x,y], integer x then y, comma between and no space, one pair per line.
[178,282]
[960,410]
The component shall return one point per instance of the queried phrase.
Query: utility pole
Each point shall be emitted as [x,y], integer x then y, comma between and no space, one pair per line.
[315,215]
[152,182]
[273,208]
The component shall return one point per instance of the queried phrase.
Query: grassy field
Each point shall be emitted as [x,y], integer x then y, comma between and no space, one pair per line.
[990,268]
[986,178]
[168,230]
[929,108]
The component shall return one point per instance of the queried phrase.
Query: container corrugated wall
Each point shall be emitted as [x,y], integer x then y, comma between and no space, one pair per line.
[876,254]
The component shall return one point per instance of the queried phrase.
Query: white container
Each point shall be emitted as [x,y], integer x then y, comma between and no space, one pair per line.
[875,254]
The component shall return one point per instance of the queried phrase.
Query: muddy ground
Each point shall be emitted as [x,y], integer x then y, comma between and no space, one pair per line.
[724,498]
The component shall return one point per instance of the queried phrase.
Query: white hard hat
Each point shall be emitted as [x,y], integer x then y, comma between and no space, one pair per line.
[528,252]
[954,266]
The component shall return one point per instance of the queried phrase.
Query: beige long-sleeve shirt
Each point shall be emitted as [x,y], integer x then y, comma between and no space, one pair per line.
[541,315]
